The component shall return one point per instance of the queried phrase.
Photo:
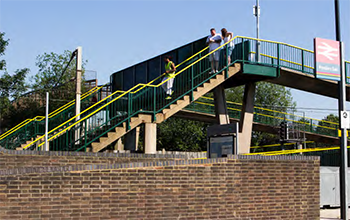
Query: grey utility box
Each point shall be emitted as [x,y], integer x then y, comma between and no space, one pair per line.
[222,140]
[329,184]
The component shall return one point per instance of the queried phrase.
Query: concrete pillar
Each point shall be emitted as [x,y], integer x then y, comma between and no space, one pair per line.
[221,112]
[137,137]
[246,120]
[131,140]
[150,138]
[119,145]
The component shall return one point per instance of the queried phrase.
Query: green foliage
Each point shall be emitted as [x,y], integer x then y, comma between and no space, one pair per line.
[324,127]
[11,86]
[57,74]
[51,67]
[177,134]
[267,95]
[3,44]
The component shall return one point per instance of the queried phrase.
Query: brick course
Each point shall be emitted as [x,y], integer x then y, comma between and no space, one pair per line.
[239,187]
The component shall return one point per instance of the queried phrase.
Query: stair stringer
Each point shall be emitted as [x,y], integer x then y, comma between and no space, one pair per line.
[166,113]
[120,132]
[199,92]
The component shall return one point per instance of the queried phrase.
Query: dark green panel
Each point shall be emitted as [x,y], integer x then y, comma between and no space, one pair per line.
[260,70]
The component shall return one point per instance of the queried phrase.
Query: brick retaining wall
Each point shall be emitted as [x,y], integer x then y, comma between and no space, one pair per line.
[239,187]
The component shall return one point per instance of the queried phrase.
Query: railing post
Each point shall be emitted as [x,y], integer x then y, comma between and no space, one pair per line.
[192,84]
[85,134]
[278,59]
[302,61]
[129,112]
[200,64]
[226,69]
[154,104]
[310,125]
[242,50]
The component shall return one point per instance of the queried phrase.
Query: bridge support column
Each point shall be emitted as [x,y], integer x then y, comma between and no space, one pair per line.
[132,139]
[221,112]
[246,120]
[150,138]
[119,145]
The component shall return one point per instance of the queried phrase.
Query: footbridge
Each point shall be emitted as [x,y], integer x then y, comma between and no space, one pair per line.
[137,98]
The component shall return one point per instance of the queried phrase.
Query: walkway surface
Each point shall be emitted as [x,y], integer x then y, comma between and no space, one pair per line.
[330,214]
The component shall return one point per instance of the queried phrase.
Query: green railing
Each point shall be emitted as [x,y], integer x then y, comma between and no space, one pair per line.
[117,109]
[31,128]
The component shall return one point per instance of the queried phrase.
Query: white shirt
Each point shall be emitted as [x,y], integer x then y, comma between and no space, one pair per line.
[214,45]
[226,39]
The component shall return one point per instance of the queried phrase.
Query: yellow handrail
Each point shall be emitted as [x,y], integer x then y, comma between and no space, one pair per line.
[52,114]
[266,109]
[130,90]
[273,153]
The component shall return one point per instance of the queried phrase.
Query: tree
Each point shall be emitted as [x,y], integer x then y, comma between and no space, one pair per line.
[326,128]
[178,134]
[11,86]
[267,96]
[57,74]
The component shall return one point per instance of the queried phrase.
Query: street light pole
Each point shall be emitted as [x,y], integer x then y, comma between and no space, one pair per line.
[257,15]
[343,171]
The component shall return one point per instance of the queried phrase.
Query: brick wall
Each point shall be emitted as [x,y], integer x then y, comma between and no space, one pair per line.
[240,187]
[10,159]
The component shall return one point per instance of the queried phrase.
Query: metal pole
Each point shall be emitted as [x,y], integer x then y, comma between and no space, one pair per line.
[237,141]
[78,85]
[257,14]
[343,139]
[304,139]
[78,88]
[47,122]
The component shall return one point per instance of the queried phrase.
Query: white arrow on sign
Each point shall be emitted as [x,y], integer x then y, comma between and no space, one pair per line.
[329,51]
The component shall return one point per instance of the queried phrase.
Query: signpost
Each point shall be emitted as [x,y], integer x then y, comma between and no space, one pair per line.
[329,64]
[327,59]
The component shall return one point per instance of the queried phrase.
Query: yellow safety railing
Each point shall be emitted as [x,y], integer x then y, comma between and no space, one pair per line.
[52,114]
[276,145]
[274,111]
[296,151]
[132,90]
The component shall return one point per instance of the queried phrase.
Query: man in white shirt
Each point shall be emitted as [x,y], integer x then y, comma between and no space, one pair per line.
[214,41]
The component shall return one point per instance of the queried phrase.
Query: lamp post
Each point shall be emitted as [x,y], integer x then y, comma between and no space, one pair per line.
[343,171]
[257,15]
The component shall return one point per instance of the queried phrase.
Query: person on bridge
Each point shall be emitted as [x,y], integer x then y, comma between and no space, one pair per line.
[169,76]
[227,36]
[214,41]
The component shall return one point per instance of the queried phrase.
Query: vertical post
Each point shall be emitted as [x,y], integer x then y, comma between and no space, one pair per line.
[78,54]
[47,122]
[150,138]
[343,139]
[78,83]
[257,15]
[302,61]
[237,141]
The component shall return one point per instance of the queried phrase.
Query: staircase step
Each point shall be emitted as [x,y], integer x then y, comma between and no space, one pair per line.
[103,139]
[199,89]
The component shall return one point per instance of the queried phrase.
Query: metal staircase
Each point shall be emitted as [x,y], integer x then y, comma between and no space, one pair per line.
[31,129]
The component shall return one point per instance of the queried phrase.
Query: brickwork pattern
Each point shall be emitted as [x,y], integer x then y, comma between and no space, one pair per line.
[10,159]
[239,187]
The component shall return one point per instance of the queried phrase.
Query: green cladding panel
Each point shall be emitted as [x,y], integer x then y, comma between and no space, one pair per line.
[260,70]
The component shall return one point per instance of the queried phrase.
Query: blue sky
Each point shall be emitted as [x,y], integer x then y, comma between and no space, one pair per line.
[116,34]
